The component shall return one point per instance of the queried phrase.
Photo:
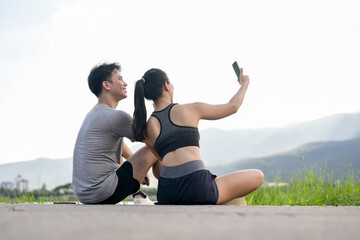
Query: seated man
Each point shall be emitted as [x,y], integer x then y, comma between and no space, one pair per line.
[99,174]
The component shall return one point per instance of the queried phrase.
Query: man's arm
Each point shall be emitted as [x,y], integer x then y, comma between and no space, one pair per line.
[126,153]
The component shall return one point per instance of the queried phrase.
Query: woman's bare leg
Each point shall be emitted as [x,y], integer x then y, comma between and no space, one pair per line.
[141,161]
[156,168]
[238,184]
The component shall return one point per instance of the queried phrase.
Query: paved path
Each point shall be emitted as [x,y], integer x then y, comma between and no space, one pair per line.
[123,222]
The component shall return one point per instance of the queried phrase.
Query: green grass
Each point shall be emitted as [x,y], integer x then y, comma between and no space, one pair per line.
[27,197]
[61,193]
[311,187]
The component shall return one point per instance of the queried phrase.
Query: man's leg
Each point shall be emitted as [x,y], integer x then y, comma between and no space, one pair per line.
[142,160]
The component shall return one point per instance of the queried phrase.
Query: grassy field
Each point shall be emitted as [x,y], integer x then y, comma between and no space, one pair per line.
[30,198]
[311,187]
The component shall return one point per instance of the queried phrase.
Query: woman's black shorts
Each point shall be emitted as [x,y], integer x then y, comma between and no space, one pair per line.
[195,188]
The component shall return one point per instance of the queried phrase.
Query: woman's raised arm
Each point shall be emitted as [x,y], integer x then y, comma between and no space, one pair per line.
[214,112]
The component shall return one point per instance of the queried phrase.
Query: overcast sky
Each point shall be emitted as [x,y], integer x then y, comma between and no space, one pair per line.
[303,59]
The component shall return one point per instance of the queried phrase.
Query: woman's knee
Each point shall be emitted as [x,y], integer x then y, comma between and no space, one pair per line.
[258,178]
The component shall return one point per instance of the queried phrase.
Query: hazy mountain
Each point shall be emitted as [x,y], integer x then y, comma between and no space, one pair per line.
[220,146]
[43,170]
[336,157]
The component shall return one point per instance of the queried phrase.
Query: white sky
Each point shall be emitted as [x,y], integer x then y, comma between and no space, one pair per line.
[303,59]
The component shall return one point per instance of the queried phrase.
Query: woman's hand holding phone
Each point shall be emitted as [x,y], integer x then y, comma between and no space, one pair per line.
[244,79]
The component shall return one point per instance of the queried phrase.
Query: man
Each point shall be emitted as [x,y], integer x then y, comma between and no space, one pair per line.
[99,174]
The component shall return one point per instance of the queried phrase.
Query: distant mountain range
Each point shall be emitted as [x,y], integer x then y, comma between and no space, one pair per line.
[337,158]
[220,146]
[333,140]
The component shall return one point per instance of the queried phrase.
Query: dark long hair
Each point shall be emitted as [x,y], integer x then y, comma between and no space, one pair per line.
[149,87]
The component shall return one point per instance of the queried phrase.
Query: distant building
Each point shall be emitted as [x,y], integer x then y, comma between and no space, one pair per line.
[21,184]
[7,185]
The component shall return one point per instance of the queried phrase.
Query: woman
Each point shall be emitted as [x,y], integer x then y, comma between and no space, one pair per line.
[172,134]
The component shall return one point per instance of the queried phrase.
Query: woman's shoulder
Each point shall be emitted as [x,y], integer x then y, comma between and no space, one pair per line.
[185,115]
[151,121]
[187,107]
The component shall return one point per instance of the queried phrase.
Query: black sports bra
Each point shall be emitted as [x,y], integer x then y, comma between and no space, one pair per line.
[173,136]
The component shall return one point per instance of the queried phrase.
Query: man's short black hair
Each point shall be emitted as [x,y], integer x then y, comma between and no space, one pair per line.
[99,74]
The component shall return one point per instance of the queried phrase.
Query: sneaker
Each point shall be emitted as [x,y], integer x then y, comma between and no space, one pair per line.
[140,198]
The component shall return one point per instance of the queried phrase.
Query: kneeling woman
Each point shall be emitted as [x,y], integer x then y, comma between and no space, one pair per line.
[172,134]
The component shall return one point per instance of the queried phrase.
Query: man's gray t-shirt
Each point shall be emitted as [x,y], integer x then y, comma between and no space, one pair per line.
[97,153]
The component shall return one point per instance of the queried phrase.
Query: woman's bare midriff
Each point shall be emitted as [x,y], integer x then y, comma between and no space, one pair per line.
[181,156]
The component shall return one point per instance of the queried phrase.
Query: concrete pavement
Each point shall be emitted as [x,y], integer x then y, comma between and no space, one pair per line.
[41,221]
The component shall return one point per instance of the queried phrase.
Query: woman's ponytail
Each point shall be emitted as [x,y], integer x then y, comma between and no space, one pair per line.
[150,86]
[139,121]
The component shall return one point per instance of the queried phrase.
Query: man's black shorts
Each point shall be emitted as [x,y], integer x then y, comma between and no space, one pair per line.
[126,184]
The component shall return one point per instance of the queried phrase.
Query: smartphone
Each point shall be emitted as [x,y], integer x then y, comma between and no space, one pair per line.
[237,70]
